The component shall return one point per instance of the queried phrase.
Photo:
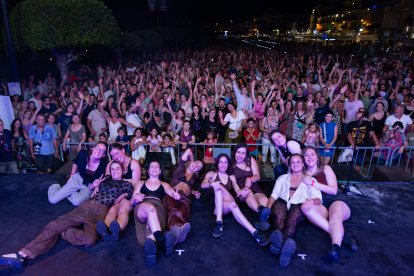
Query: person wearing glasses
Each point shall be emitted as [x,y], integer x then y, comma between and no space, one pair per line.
[112,188]
[85,169]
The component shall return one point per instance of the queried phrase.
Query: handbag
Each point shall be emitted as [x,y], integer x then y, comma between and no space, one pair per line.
[233,134]
[346,156]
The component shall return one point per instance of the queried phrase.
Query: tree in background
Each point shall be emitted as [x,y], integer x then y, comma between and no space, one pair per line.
[63,27]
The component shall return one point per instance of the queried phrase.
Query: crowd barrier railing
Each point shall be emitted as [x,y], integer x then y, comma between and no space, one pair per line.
[404,160]
[364,159]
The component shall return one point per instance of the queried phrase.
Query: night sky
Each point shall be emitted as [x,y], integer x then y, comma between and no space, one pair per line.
[197,14]
[200,13]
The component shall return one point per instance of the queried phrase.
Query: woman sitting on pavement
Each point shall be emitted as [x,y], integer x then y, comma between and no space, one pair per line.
[331,215]
[183,180]
[87,214]
[150,215]
[290,192]
[222,181]
[246,172]
[118,216]
[85,169]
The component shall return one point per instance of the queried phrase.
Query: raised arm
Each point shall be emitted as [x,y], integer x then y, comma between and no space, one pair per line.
[187,155]
[253,96]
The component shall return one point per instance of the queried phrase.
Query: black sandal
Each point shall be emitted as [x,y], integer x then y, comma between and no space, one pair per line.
[19,261]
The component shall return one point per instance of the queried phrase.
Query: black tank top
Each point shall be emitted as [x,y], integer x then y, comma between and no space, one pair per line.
[158,193]
[128,172]
[227,185]
[378,125]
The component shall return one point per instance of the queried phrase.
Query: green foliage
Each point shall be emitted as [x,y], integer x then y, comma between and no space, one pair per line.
[54,24]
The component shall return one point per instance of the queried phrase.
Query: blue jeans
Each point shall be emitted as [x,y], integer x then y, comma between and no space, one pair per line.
[9,167]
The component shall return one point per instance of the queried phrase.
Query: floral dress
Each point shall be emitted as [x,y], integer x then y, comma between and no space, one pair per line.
[21,152]
[299,125]
[337,119]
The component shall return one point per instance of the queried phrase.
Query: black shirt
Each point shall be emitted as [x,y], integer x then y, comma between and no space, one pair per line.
[86,112]
[360,132]
[300,98]
[48,110]
[81,161]
[110,190]
[196,125]
[131,99]
[6,154]
[210,126]
[320,113]
[152,123]
[285,152]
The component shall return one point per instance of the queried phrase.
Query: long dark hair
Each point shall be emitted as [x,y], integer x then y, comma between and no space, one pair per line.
[20,130]
[229,170]
[233,154]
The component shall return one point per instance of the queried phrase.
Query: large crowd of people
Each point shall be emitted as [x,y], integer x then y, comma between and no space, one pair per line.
[300,104]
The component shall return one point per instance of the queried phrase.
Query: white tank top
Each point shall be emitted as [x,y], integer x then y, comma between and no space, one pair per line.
[113,129]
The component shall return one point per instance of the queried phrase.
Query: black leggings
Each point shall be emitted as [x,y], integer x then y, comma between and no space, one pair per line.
[287,220]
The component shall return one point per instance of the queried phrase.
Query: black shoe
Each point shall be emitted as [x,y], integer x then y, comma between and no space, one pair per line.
[261,238]
[264,214]
[150,249]
[218,229]
[115,229]
[261,225]
[102,230]
[334,255]
[170,241]
[185,229]
[350,242]
[288,249]
[276,241]
[176,230]
[18,261]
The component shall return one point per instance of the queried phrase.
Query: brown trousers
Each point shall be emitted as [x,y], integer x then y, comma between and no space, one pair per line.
[178,211]
[287,220]
[88,214]
[141,228]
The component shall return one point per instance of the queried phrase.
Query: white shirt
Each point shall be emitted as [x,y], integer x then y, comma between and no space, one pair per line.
[98,122]
[94,90]
[351,109]
[108,93]
[302,193]
[37,104]
[235,123]
[405,120]
[135,120]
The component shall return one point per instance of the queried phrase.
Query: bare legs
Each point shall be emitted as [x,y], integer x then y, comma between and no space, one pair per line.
[120,213]
[147,212]
[330,221]
[224,203]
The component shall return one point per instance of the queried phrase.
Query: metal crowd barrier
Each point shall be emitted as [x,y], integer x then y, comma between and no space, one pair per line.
[404,160]
[366,158]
